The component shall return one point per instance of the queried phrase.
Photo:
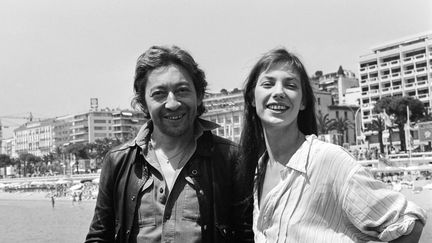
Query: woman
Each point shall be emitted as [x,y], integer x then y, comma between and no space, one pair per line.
[306,190]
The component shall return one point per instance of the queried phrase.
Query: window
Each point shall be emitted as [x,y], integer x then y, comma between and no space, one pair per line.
[319,101]
[99,121]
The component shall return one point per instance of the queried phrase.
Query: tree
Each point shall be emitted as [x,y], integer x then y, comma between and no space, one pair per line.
[100,147]
[324,123]
[5,161]
[29,161]
[397,107]
[341,125]
[379,126]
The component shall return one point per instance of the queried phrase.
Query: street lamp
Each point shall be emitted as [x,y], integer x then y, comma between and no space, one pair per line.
[355,124]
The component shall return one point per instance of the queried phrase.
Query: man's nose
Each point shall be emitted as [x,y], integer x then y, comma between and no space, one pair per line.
[172,103]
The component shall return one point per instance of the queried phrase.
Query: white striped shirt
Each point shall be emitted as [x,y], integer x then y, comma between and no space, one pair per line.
[326,196]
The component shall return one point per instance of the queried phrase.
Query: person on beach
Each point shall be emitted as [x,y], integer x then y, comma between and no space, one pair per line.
[52,200]
[176,181]
[307,190]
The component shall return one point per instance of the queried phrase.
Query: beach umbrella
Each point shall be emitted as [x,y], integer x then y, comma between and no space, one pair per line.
[76,187]
[36,183]
[62,181]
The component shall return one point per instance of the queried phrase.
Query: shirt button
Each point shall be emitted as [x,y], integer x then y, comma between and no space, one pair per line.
[205,227]
[161,190]
[201,192]
[194,172]
[128,232]
[133,198]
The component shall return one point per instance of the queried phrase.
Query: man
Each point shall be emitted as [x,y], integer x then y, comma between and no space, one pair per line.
[176,181]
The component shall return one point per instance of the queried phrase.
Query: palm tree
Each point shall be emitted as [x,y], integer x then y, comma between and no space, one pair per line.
[341,125]
[379,126]
[324,123]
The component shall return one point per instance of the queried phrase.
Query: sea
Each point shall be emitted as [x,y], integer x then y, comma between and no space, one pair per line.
[68,222]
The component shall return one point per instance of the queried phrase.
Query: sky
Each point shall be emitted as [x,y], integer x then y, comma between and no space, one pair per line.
[56,55]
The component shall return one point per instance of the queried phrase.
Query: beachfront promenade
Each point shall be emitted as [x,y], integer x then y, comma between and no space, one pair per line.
[75,177]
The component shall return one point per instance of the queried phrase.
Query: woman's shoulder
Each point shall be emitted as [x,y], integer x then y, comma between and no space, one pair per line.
[330,152]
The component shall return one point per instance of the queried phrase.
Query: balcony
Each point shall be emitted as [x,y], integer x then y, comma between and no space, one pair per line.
[423,97]
[363,81]
[407,60]
[394,63]
[364,93]
[385,77]
[385,65]
[395,75]
[409,73]
[363,69]
[373,80]
[422,84]
[374,92]
[396,88]
[385,90]
[372,68]
[420,57]
[421,70]
[410,86]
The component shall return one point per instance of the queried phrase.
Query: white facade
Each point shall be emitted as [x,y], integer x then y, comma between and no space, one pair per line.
[398,68]
[337,83]
[35,138]
[225,109]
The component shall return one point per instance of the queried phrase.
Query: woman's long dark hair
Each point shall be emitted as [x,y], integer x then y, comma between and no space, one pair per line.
[252,143]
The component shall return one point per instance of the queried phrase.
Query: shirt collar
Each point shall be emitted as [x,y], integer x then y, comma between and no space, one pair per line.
[299,161]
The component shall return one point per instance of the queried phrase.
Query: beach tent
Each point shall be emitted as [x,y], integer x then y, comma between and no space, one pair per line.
[96,180]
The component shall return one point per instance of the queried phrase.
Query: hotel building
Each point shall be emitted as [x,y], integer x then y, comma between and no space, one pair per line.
[225,109]
[397,68]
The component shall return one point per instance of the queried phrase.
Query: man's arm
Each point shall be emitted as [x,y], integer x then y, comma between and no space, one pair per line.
[102,227]
[414,236]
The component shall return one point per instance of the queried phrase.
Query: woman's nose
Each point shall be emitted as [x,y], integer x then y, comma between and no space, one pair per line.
[278,91]
[172,103]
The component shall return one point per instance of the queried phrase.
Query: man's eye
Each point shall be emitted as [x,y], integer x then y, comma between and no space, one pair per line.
[182,91]
[158,94]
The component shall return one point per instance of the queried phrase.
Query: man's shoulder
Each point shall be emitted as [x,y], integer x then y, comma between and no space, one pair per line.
[123,148]
[218,140]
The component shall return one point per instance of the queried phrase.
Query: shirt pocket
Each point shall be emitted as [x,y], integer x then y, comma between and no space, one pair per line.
[147,209]
[191,210]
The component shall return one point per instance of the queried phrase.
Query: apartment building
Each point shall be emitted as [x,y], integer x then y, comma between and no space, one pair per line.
[126,124]
[35,137]
[337,83]
[42,137]
[225,109]
[397,68]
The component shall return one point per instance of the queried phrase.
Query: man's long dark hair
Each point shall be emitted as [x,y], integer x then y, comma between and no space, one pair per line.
[252,143]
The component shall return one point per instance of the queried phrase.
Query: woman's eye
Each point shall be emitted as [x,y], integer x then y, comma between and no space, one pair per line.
[266,84]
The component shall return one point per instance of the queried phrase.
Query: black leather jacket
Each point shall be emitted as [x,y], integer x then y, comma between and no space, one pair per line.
[224,209]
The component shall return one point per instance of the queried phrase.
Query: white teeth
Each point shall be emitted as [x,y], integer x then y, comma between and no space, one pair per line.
[277,107]
[174,117]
